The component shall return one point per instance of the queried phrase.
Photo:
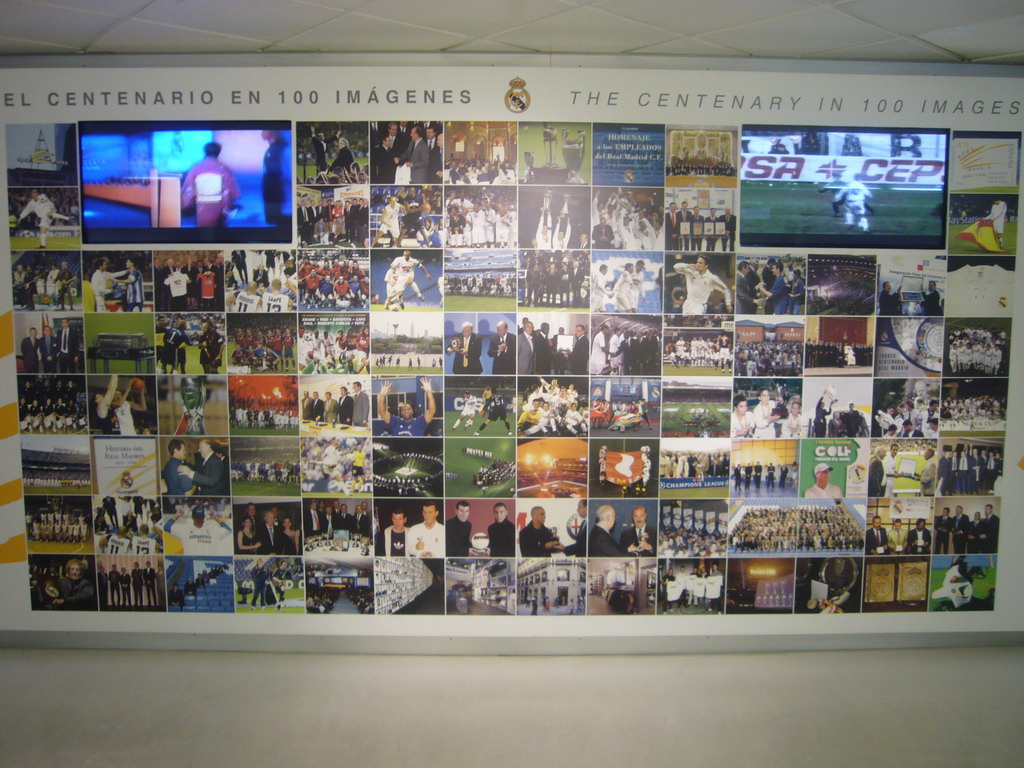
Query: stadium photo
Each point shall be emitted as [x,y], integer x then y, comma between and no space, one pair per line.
[691,586]
[625,345]
[622,586]
[409,467]
[410,528]
[699,284]
[840,346]
[62,582]
[472,405]
[261,343]
[628,220]
[120,404]
[403,280]
[769,349]
[480,152]
[263,405]
[483,469]
[200,584]
[841,285]
[188,281]
[916,285]
[42,153]
[980,286]
[980,223]
[771,285]
[480,587]
[339,584]
[820,526]
[260,281]
[337,406]
[333,280]
[331,152]
[894,401]
[552,468]
[618,404]
[555,407]
[701,156]
[554,218]
[554,153]
[629,281]
[192,405]
[265,466]
[407,217]
[407,344]
[828,585]
[407,406]
[131,583]
[59,525]
[763,469]
[623,468]
[41,280]
[124,343]
[694,468]
[481,217]
[553,280]
[973,407]
[269,585]
[698,352]
[963,583]
[55,405]
[697,528]
[113,281]
[477,280]
[333,466]
[56,464]
[332,343]
[44,217]
[695,406]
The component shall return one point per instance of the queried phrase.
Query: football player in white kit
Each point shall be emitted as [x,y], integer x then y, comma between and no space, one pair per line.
[854,199]
[403,275]
[699,283]
[471,405]
[45,211]
[248,301]
[275,301]
[390,221]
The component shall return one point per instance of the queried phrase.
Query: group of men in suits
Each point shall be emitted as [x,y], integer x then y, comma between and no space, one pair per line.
[691,230]
[416,146]
[636,540]
[322,517]
[350,410]
[537,355]
[959,534]
[53,352]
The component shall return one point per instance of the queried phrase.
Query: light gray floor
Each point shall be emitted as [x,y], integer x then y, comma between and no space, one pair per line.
[958,707]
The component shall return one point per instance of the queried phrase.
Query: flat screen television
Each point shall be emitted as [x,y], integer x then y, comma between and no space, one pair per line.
[843,187]
[186,181]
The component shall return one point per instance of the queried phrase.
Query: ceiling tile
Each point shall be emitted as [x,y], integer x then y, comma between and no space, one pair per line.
[584,30]
[916,16]
[984,38]
[354,32]
[888,50]
[687,46]
[261,19]
[487,18]
[798,34]
[9,45]
[147,37]
[1009,58]
[488,46]
[697,18]
[119,8]
[44,24]
[341,5]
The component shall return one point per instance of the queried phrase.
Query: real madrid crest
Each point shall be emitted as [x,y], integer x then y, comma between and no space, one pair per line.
[517,98]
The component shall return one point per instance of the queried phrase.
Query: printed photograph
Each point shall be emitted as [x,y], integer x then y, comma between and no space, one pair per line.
[622,586]
[480,587]
[265,466]
[911,286]
[404,281]
[44,217]
[201,584]
[404,466]
[473,343]
[700,218]
[621,404]
[408,528]
[696,406]
[897,401]
[982,223]
[339,584]
[479,528]
[471,405]
[188,281]
[771,285]
[699,284]
[333,280]
[623,468]
[189,466]
[260,281]
[336,216]
[480,152]
[407,406]
[697,528]
[46,342]
[330,466]
[197,526]
[131,583]
[127,524]
[335,406]
[706,154]
[263,405]
[477,217]
[842,407]
[477,279]
[622,528]
[964,583]
[973,407]
[334,344]
[903,467]
[760,585]
[475,468]
[52,404]
[407,217]
[977,347]
[626,345]
[121,405]
[841,285]
[124,344]
[909,346]
[48,281]
[833,468]
[769,408]
[980,286]
[628,219]
[124,464]
[331,152]
[966,526]
[267,526]
[406,152]
[413,345]
[553,343]
[552,408]
[551,586]
[192,405]
[794,526]
[698,351]
[555,279]
[555,153]
[903,527]
[828,584]
[269,585]
[554,218]
[408,585]
[691,586]
[840,346]
[556,528]
[59,525]
[694,468]
[552,468]
[765,469]
[42,153]
[769,349]
[260,343]
[895,584]
[62,582]
[329,526]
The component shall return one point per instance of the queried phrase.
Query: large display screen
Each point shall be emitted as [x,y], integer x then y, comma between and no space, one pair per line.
[843,187]
[186,182]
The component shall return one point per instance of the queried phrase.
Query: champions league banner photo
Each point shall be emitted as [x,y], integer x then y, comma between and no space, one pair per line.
[496,342]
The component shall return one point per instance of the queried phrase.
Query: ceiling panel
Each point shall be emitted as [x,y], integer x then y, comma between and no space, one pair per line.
[487,17]
[890,50]
[134,35]
[585,30]
[64,26]
[983,38]
[355,32]
[697,18]
[269,20]
[916,16]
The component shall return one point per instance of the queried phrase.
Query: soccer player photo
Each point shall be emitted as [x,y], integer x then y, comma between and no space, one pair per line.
[407,406]
[44,218]
[332,466]
[554,218]
[627,220]
[407,217]
[261,281]
[403,281]
[698,351]
[552,407]
[629,345]
[192,342]
[330,343]
[333,280]
[478,217]
[265,466]
[55,405]
[626,282]
[258,344]
[269,584]
[699,285]
[116,281]
[472,405]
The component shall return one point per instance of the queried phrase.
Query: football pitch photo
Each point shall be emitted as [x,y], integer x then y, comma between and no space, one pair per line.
[52,243]
[720,492]
[294,601]
[494,429]
[956,246]
[781,207]
[409,307]
[60,547]
[479,304]
[256,488]
[284,365]
[192,364]
[465,466]
[670,369]
[694,419]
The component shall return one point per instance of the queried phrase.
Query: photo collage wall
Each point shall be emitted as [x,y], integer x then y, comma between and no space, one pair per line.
[511,368]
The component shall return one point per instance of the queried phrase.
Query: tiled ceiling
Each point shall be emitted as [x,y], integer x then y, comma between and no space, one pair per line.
[938,31]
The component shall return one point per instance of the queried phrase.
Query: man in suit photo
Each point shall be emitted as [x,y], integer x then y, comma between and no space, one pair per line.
[640,538]
[467,349]
[502,349]
[360,406]
[345,407]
